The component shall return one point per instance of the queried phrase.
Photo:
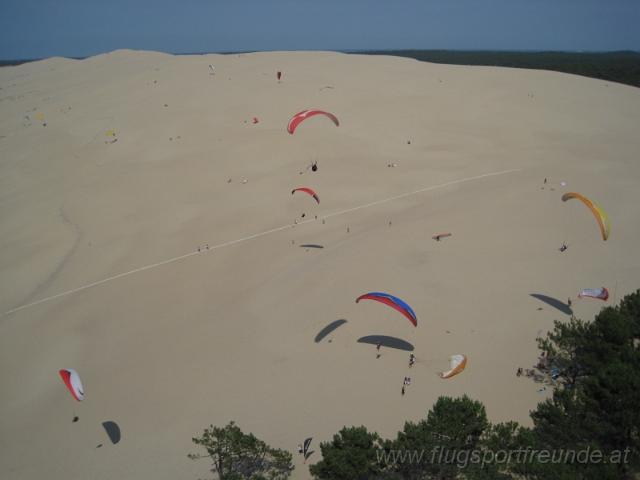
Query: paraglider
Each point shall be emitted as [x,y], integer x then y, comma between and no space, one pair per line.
[601,216]
[392,301]
[308,191]
[457,364]
[72,380]
[599,293]
[298,118]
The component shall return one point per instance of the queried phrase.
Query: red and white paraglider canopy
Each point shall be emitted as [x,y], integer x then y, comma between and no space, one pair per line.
[298,118]
[599,293]
[72,380]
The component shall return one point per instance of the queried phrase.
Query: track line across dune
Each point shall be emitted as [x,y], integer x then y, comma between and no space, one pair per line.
[256,235]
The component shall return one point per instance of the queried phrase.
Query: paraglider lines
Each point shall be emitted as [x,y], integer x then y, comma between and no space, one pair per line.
[415,192]
[256,235]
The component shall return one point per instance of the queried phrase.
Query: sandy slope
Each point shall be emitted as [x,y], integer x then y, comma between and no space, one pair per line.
[229,333]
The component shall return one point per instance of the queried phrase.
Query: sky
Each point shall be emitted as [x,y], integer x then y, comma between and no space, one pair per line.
[79,28]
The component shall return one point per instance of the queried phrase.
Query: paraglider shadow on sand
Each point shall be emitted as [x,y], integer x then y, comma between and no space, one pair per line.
[329,329]
[305,449]
[386,341]
[311,245]
[554,302]
[113,431]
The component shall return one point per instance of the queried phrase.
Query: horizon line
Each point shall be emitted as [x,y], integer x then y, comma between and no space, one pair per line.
[17,61]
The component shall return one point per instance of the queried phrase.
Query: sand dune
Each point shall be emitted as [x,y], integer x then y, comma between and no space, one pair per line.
[235,332]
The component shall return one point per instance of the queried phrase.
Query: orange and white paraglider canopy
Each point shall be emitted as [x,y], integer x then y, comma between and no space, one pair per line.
[457,363]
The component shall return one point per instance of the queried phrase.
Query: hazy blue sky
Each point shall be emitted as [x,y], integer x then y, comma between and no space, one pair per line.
[43,28]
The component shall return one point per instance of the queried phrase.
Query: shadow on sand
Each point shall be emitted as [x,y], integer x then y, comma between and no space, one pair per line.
[386,341]
[113,430]
[554,302]
[328,329]
[311,245]
[305,448]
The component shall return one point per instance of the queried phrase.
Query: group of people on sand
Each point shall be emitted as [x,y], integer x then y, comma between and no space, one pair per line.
[407,380]
[529,372]
[405,383]
[544,365]
[412,360]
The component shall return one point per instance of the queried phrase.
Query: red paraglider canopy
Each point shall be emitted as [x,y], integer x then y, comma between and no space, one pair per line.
[298,118]
[308,191]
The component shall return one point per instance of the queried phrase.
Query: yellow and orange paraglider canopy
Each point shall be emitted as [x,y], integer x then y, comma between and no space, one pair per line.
[601,216]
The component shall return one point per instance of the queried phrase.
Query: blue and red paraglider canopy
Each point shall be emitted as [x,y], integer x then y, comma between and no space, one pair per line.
[393,302]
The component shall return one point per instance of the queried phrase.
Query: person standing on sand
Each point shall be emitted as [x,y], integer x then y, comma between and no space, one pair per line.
[378,345]
[569,302]
[403,387]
